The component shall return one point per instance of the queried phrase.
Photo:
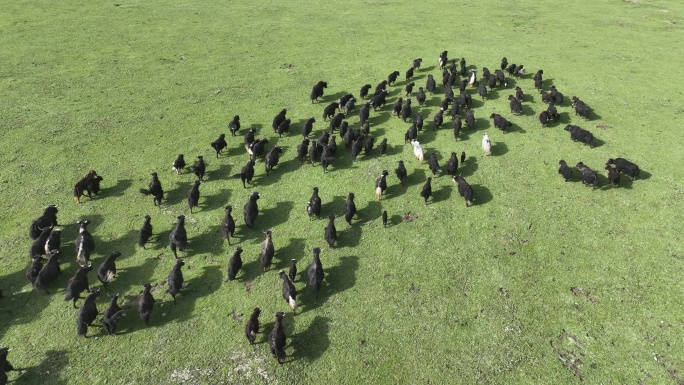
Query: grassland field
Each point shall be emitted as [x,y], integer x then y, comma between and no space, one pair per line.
[540,282]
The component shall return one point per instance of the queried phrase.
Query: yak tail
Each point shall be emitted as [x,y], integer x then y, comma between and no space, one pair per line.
[110,323]
[81,257]
[82,327]
[145,192]
[107,277]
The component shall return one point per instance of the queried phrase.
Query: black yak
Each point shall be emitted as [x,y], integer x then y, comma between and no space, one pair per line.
[234,264]
[401,173]
[565,170]
[426,191]
[234,125]
[317,90]
[87,313]
[228,224]
[112,315]
[178,238]
[452,164]
[199,168]
[178,164]
[252,326]
[330,234]
[251,209]
[84,243]
[267,251]
[246,173]
[146,304]
[145,232]
[316,273]
[154,188]
[289,291]
[219,144]
[48,273]
[292,273]
[349,208]
[49,218]
[107,269]
[272,158]
[278,119]
[464,189]
[77,284]
[194,195]
[589,176]
[277,339]
[613,176]
[175,279]
[625,166]
[313,208]
[579,134]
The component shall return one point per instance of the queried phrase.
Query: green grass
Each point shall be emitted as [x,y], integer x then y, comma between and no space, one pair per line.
[476,295]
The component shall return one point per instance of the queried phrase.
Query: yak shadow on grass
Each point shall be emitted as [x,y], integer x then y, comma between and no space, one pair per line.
[493,94]
[417,177]
[22,307]
[202,284]
[464,134]
[276,174]
[511,83]
[377,133]
[380,116]
[178,194]
[393,149]
[394,220]
[47,372]
[129,282]
[118,189]
[499,148]
[334,206]
[293,250]
[593,116]
[444,193]
[394,190]
[126,245]
[327,99]
[251,266]
[477,102]
[468,168]
[209,242]
[514,128]
[70,232]
[216,201]
[481,194]
[310,344]
[337,279]
[271,217]
[598,142]
[343,160]
[237,147]
[563,120]
[643,175]
[365,214]
[222,172]
[527,110]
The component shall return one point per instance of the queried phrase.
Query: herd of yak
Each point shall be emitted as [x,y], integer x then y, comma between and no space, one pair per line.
[44,252]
